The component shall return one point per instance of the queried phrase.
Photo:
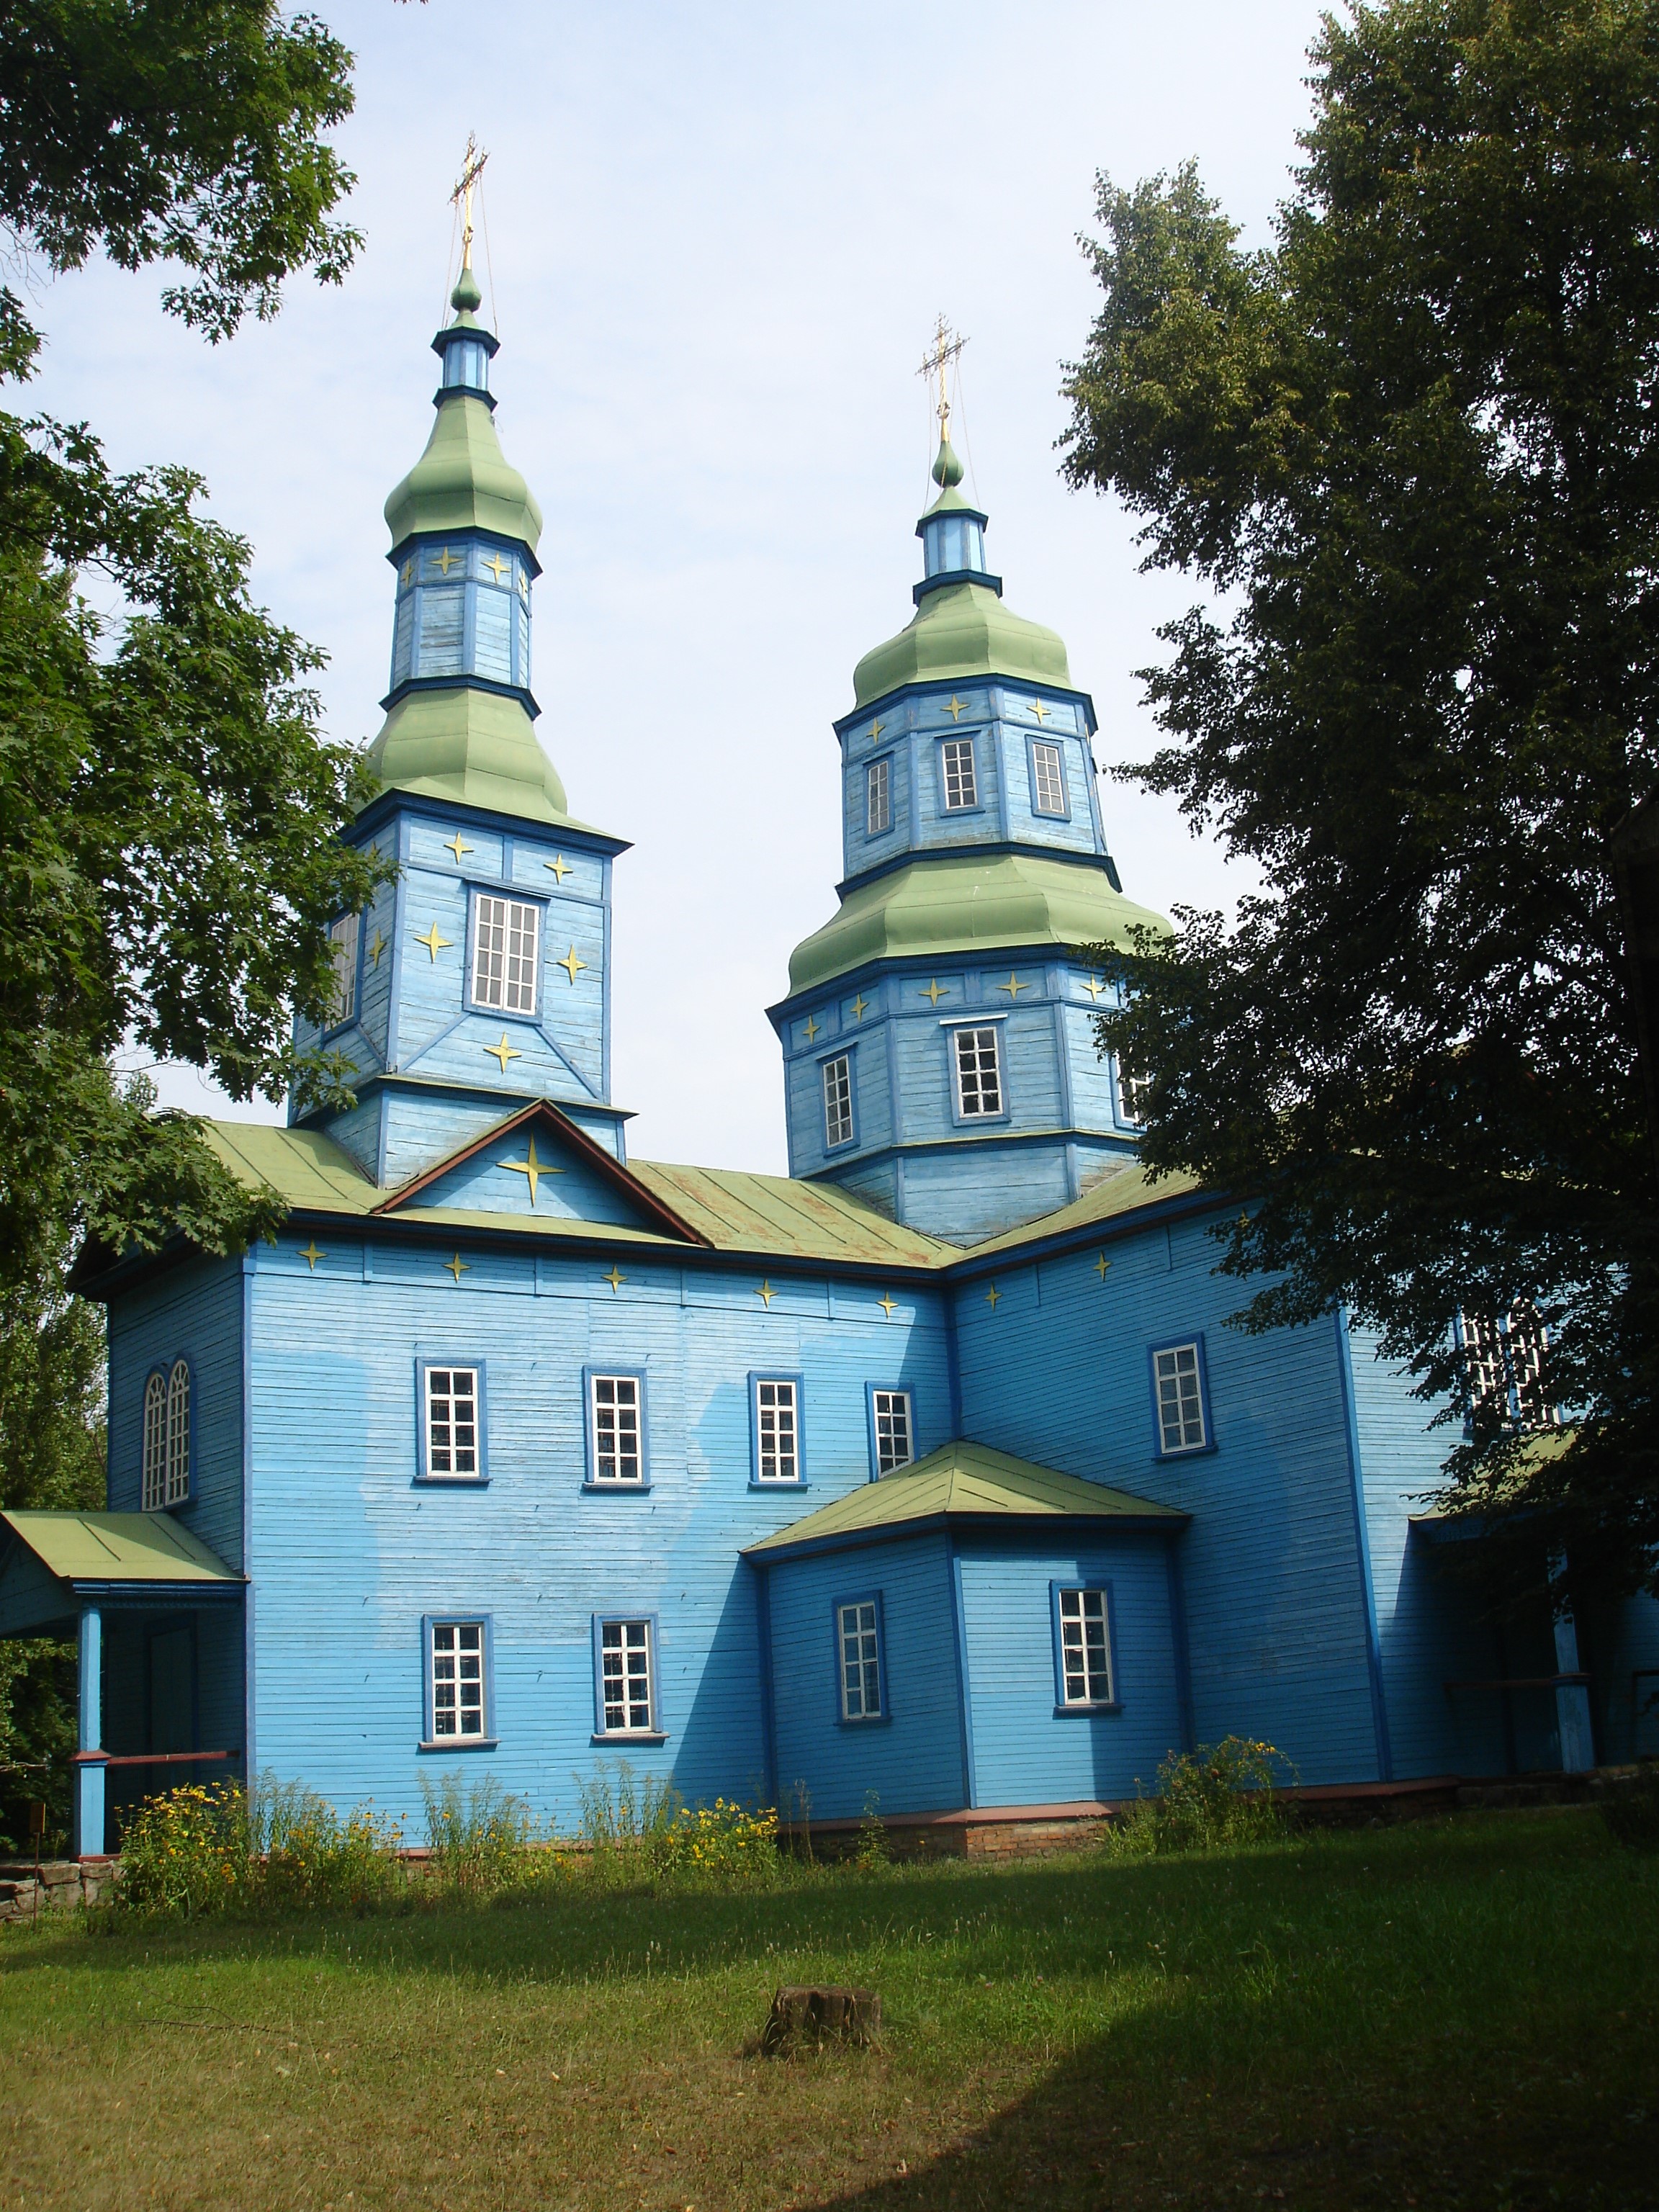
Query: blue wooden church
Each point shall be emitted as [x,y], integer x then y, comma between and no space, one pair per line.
[929,1471]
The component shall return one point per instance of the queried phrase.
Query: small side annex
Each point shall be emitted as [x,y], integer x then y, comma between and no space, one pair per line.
[972,1631]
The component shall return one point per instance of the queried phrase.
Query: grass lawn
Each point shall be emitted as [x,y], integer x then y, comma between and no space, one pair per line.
[1452,2014]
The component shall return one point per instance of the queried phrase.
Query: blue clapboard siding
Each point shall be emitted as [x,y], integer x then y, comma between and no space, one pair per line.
[1024,1754]
[964,1195]
[350,1552]
[1057,1370]
[193,1308]
[1620,1642]
[567,1187]
[913,1761]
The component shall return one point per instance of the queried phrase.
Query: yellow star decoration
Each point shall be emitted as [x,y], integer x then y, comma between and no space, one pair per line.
[497,565]
[766,1294]
[432,942]
[447,561]
[1101,1266]
[503,1051]
[1013,987]
[933,992]
[532,1168]
[994,1298]
[888,1304]
[376,949]
[458,1267]
[861,1007]
[876,729]
[813,1028]
[454,845]
[409,570]
[311,1255]
[955,708]
[1094,987]
[558,867]
[1042,712]
[572,963]
[524,588]
[616,1278]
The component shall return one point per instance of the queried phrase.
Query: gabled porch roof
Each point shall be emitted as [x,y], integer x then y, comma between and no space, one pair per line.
[50,1563]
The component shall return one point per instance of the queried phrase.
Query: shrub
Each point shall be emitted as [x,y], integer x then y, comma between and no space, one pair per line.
[187,1851]
[720,1844]
[1206,1800]
[479,1838]
[625,1817]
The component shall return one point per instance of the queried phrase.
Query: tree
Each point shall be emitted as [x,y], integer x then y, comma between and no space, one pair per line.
[1410,449]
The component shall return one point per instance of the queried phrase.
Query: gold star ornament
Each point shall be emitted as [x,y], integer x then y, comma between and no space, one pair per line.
[813,1028]
[432,942]
[558,867]
[503,1052]
[616,1278]
[932,992]
[455,846]
[1101,1266]
[497,566]
[572,965]
[1013,987]
[1042,712]
[861,1007]
[888,1304]
[458,1267]
[766,1294]
[376,946]
[532,1170]
[955,708]
[1094,986]
[311,1255]
[994,1298]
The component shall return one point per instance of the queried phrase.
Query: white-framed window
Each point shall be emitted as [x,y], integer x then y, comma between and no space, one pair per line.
[977,1069]
[343,944]
[889,1411]
[777,1429]
[838,1101]
[166,1476]
[614,1416]
[1505,1362]
[961,785]
[506,952]
[858,1638]
[878,798]
[456,1683]
[626,1692]
[452,1420]
[1131,1093]
[1178,1371]
[1085,1647]
[1048,777]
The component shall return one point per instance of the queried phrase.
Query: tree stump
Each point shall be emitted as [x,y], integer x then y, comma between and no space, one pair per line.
[803,2015]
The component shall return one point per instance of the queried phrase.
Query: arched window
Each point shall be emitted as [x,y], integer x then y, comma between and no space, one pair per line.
[178,1434]
[156,1443]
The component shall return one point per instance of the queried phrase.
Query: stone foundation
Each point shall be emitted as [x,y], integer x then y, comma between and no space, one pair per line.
[56,1886]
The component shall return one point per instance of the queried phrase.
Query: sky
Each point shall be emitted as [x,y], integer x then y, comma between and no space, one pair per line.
[719,237]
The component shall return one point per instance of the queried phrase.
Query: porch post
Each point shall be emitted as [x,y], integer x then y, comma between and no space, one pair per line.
[89,1761]
[1572,1705]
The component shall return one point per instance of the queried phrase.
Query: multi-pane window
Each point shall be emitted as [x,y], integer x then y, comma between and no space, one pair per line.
[1085,1649]
[343,944]
[961,788]
[838,1101]
[1505,1360]
[858,1633]
[1048,778]
[166,1438]
[890,1410]
[1131,1094]
[457,1680]
[878,798]
[625,1685]
[614,1410]
[1181,1425]
[978,1073]
[452,1420]
[777,1432]
[506,939]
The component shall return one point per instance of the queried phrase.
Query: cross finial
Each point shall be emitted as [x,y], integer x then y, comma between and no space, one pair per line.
[947,344]
[472,164]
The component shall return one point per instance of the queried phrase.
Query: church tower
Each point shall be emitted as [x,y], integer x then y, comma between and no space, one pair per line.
[938,1048]
[480,980]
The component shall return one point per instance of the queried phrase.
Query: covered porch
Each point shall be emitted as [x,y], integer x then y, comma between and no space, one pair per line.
[156,1618]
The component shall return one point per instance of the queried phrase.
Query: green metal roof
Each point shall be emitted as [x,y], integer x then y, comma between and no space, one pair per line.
[473,749]
[464,481]
[117,1548]
[966,901]
[963,630]
[1122,1190]
[962,1481]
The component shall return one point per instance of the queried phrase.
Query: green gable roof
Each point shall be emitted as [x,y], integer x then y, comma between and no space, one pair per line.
[961,1482]
[117,1548]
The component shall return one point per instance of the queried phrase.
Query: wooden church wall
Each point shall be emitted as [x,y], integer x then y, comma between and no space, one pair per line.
[193,1310]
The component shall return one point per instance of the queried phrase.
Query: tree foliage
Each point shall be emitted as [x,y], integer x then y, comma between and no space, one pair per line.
[1410,449]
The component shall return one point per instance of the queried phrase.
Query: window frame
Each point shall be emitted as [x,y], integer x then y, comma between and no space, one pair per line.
[423,1474]
[884,1715]
[798,1383]
[884,762]
[592,1482]
[349,1019]
[953,1029]
[1057,747]
[163,1371]
[1065,1708]
[457,1617]
[1124,1108]
[514,895]
[871,1390]
[1192,1342]
[656,1733]
[827,1060]
[976,803]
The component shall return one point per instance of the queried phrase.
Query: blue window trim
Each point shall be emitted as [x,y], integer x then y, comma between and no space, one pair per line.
[164,1368]
[354,1017]
[1033,739]
[861,1597]
[1115,1703]
[1195,1337]
[846,1049]
[941,739]
[757,1376]
[589,1485]
[423,1474]
[476,888]
[656,1733]
[870,1390]
[989,1019]
[489,1740]
[888,755]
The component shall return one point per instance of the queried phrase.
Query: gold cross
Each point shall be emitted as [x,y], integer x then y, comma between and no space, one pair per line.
[1101,1266]
[955,708]
[993,1297]
[1094,987]
[1042,712]
[447,561]
[432,942]
[558,867]
[532,1169]
[1013,987]
[571,962]
[501,567]
[376,948]
[311,1255]
[876,729]
[945,348]
[473,165]
[888,1304]
[861,1007]
[766,1294]
[454,845]
[524,588]
[616,1278]
[503,1051]
[813,1028]
[933,992]
[458,1267]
